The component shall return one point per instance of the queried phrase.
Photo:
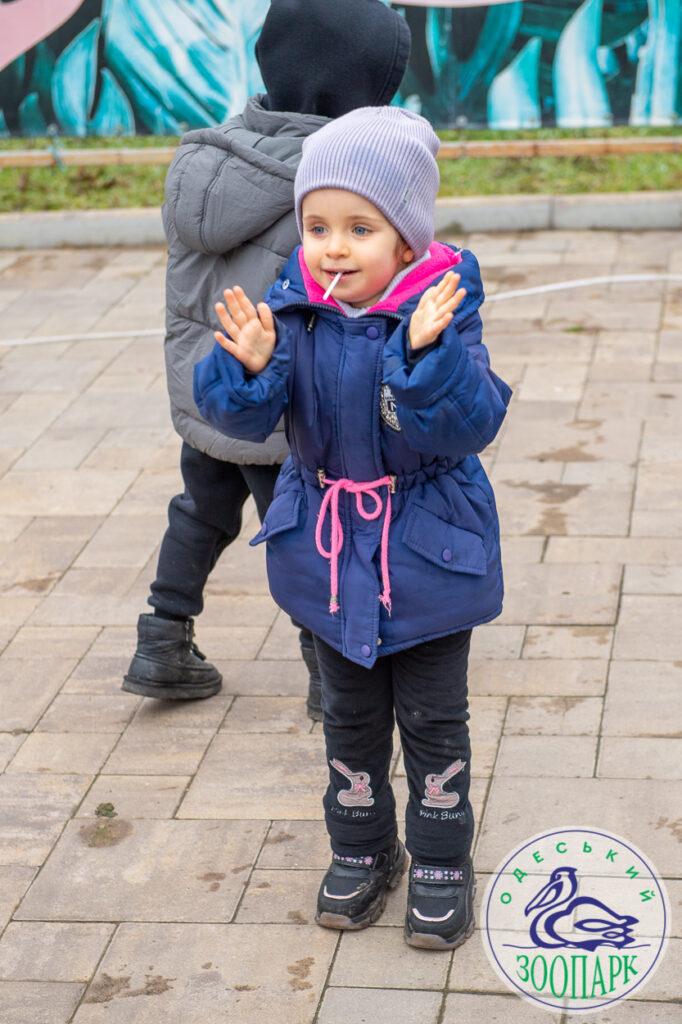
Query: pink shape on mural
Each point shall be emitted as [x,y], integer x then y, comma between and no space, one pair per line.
[25,22]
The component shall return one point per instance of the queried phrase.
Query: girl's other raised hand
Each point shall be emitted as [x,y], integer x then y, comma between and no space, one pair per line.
[251,329]
[435,310]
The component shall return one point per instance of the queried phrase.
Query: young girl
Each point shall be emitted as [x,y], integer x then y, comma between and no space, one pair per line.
[382,537]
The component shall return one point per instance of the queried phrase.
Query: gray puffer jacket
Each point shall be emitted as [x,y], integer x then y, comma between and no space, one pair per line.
[229,220]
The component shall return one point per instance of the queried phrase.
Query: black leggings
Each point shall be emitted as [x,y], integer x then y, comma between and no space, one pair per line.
[426,687]
[202,522]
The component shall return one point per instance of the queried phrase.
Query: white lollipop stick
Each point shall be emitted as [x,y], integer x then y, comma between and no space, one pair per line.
[333,285]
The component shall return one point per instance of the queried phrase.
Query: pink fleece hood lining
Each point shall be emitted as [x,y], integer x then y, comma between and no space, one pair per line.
[442,258]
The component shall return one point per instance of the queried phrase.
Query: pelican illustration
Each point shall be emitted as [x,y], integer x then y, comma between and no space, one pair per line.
[556,903]
[360,792]
[435,795]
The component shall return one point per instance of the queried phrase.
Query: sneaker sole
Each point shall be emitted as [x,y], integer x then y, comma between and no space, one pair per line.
[422,940]
[171,691]
[353,924]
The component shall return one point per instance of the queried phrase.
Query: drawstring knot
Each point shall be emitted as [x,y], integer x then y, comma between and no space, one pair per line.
[330,502]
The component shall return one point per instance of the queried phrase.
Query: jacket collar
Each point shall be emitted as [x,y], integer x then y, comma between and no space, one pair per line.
[297,287]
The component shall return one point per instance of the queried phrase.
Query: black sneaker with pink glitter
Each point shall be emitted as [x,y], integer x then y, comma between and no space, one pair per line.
[440,905]
[353,891]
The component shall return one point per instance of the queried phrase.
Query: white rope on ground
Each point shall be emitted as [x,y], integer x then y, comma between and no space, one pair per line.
[582,282]
[153,332]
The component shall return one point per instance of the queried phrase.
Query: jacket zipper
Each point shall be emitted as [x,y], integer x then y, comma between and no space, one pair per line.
[328,309]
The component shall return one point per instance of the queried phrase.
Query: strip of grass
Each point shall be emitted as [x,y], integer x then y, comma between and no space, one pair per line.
[108,187]
[113,186]
[640,172]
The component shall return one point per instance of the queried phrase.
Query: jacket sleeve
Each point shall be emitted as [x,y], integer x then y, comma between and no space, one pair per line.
[450,403]
[240,404]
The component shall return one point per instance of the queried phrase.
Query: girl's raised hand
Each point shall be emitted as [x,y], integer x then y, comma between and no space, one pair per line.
[435,310]
[251,329]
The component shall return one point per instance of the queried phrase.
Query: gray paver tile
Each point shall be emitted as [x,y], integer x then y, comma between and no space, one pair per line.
[202,973]
[123,541]
[45,951]
[546,756]
[240,611]
[47,642]
[280,897]
[158,751]
[652,579]
[74,712]
[182,714]
[99,675]
[493,641]
[635,757]
[265,678]
[63,753]
[151,492]
[267,715]
[629,709]
[552,595]
[553,716]
[648,628]
[491,1009]
[567,642]
[132,870]
[27,688]
[644,550]
[12,526]
[135,796]
[240,568]
[33,810]
[584,677]
[291,772]
[549,508]
[59,450]
[295,844]
[14,881]
[45,1002]
[640,809]
[65,492]
[9,744]
[379,1006]
[282,640]
[380,957]
[631,1011]
[563,439]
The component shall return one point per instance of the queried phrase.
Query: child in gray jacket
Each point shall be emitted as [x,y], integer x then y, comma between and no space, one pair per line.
[229,217]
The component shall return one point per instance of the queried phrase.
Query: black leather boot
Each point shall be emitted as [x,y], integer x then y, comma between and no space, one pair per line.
[168,664]
[314,701]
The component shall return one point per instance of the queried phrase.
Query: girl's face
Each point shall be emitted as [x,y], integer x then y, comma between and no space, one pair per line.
[344,231]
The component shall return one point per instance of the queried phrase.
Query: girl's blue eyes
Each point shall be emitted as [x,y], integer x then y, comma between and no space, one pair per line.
[362,232]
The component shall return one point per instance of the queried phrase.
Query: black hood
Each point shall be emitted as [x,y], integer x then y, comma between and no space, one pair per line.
[328,57]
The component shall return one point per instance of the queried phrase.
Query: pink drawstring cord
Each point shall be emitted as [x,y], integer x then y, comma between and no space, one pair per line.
[332,498]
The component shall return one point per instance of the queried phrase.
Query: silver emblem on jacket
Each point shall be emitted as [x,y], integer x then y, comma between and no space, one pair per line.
[389,413]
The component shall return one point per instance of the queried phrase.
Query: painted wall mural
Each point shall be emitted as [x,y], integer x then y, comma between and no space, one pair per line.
[126,67]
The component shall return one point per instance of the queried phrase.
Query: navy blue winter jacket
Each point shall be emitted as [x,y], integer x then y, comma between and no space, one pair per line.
[360,406]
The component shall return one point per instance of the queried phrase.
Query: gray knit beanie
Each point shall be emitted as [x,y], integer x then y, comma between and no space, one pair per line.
[387,155]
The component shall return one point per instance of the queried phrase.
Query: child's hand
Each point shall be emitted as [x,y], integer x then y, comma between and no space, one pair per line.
[434,311]
[252,331]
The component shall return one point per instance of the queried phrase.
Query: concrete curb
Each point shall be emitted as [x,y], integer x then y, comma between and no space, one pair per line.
[611,211]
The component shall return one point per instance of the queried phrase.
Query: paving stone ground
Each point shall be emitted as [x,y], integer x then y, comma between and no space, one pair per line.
[195,902]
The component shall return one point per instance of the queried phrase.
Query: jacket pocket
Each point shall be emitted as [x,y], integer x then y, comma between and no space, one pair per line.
[283,514]
[444,544]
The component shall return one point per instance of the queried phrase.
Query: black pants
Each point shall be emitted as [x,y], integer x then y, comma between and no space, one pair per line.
[202,522]
[426,686]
